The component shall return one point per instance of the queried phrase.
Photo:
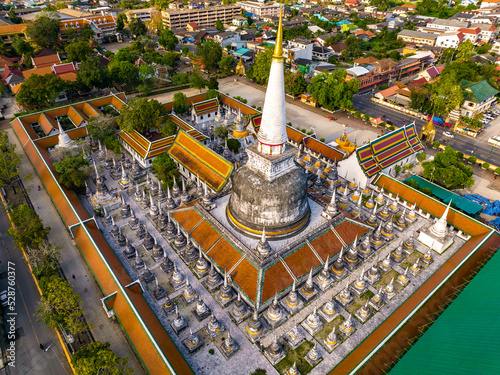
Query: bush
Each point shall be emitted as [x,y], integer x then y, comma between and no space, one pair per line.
[366,117]
[211,351]
[322,139]
[254,106]
[421,156]
[497,170]
[486,166]
[426,191]
[397,169]
[357,114]
[472,159]
[383,87]
[233,144]
[383,124]
[391,128]
[259,108]
[435,144]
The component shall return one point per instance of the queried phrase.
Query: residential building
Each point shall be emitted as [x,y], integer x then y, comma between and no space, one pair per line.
[471,34]
[489,3]
[446,25]
[431,73]
[11,77]
[478,97]
[226,38]
[48,60]
[240,21]
[298,48]
[321,53]
[9,32]
[101,26]
[176,19]
[260,9]
[450,39]
[418,38]
[488,32]
[496,47]
[144,15]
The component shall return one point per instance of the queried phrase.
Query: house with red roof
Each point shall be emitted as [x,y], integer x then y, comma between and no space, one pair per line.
[11,77]
[450,39]
[471,33]
[48,60]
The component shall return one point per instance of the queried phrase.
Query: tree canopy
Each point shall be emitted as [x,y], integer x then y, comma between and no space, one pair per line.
[137,27]
[332,91]
[142,114]
[295,83]
[28,230]
[168,40]
[104,129]
[60,305]
[93,73]
[10,160]
[44,29]
[165,169]
[448,170]
[259,71]
[98,358]
[123,72]
[180,103]
[73,171]
[78,51]
[210,53]
[226,63]
[38,91]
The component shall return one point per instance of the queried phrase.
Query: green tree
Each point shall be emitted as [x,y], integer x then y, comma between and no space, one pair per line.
[420,100]
[295,83]
[180,103]
[226,64]
[259,71]
[446,95]
[73,172]
[465,51]
[332,91]
[165,169]
[233,144]
[219,26]
[44,29]
[121,18]
[213,83]
[137,27]
[197,81]
[44,260]
[211,94]
[185,50]
[78,51]
[28,230]
[98,358]
[71,34]
[211,53]
[171,58]
[20,46]
[447,169]
[354,48]
[93,73]
[104,128]
[10,160]
[86,33]
[60,306]
[168,128]
[124,72]
[168,40]
[13,17]
[38,91]
[142,114]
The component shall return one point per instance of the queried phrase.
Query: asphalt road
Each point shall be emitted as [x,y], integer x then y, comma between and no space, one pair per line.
[30,359]
[471,146]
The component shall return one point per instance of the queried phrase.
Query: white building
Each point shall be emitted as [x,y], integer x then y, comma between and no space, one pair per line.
[478,97]
[472,34]
[298,48]
[488,32]
[260,9]
[228,38]
[450,39]
[446,25]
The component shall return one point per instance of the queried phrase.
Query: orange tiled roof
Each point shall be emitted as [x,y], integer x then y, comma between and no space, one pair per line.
[39,71]
[301,261]
[205,236]
[12,29]
[199,159]
[207,106]
[294,134]
[49,60]
[276,279]
[225,255]
[245,275]
[322,148]
[327,245]
[187,218]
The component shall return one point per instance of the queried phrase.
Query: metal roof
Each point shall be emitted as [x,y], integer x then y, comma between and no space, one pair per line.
[464,339]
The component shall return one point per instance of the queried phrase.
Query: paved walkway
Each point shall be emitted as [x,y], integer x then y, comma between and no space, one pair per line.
[104,329]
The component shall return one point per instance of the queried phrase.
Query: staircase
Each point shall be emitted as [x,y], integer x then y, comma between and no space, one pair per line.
[455,115]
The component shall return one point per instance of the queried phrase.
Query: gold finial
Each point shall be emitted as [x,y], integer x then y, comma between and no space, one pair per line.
[278,47]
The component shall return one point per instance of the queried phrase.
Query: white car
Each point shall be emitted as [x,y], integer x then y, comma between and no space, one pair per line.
[448,134]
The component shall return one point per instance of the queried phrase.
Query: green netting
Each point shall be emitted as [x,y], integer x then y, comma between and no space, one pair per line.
[462,203]
[465,339]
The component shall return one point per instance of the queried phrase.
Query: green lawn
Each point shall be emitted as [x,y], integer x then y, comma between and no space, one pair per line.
[411,259]
[320,336]
[359,301]
[296,356]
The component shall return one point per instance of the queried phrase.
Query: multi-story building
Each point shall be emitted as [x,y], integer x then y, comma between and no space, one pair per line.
[144,15]
[205,17]
[418,38]
[260,9]
[298,48]
[227,38]
[450,39]
[446,25]
[472,34]
[478,97]
[488,32]
[101,25]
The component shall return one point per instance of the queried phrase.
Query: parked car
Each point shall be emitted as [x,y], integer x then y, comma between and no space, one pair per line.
[448,134]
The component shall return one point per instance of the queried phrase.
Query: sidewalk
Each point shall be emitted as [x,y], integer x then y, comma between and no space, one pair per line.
[104,329]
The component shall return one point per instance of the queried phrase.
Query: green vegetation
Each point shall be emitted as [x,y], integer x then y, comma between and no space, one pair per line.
[168,128]
[98,358]
[10,160]
[142,114]
[40,91]
[180,103]
[448,170]
[472,159]
[421,156]
[259,71]
[165,169]
[93,73]
[73,171]
[137,27]
[210,54]
[332,91]
[296,356]
[485,166]
[168,40]
[44,29]
[103,128]
[233,144]
[295,83]
[28,230]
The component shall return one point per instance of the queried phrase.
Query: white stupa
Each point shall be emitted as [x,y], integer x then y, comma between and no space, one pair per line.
[64,140]
[436,235]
